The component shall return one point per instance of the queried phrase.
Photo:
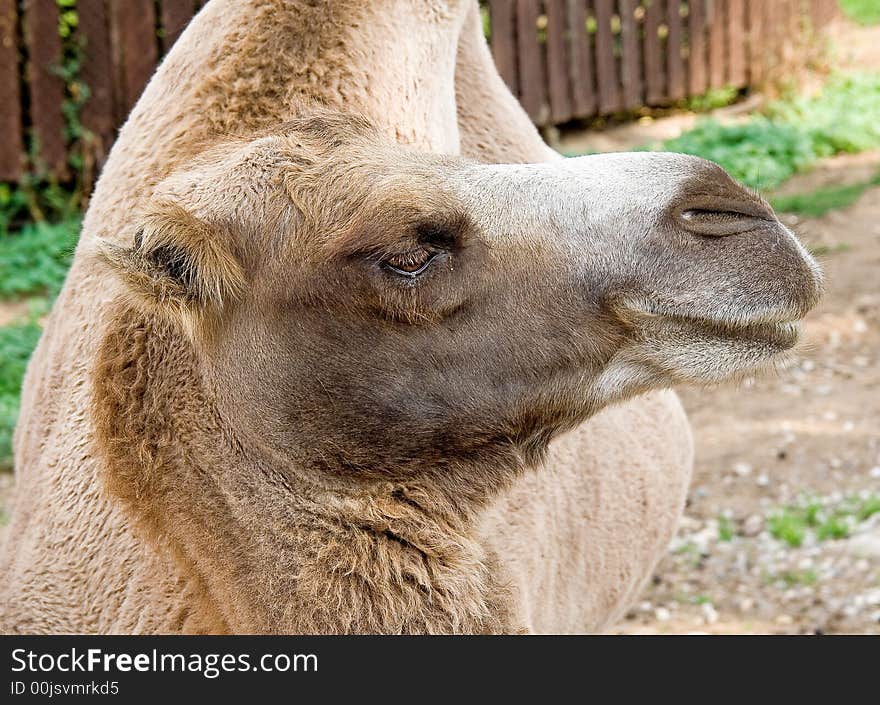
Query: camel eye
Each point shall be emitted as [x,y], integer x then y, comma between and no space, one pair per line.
[410,264]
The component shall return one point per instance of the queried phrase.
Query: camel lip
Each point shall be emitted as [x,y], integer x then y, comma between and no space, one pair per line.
[783,335]
[781,329]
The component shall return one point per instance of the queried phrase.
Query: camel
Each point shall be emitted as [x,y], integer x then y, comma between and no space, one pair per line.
[346,348]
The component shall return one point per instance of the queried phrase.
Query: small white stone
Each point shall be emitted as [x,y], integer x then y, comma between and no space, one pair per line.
[710,614]
[875,472]
[662,614]
[858,601]
[763,480]
[742,469]
[865,545]
[753,524]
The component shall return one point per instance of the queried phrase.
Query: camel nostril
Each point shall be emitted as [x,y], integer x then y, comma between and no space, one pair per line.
[724,217]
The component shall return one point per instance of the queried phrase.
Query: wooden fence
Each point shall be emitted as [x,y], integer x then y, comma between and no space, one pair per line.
[568,59]
[119,43]
[564,59]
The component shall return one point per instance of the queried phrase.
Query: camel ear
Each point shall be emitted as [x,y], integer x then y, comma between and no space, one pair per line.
[178,267]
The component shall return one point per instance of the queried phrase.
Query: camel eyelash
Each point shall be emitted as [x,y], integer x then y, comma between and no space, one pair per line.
[410,264]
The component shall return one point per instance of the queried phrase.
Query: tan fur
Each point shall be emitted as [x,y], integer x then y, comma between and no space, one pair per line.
[156,487]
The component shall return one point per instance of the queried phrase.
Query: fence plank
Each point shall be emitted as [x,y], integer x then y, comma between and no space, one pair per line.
[176,14]
[655,79]
[502,20]
[697,58]
[757,46]
[716,43]
[630,56]
[783,44]
[572,74]
[610,98]
[557,61]
[770,36]
[736,43]
[793,29]
[817,9]
[674,41]
[825,12]
[97,73]
[532,82]
[583,93]
[12,142]
[46,88]
[133,25]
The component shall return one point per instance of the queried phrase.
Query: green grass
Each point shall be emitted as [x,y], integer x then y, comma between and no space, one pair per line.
[866,12]
[819,202]
[797,577]
[788,526]
[835,527]
[842,118]
[712,99]
[868,508]
[791,134]
[17,341]
[792,524]
[812,513]
[726,530]
[35,260]
[759,153]
[689,547]
[33,263]
[36,201]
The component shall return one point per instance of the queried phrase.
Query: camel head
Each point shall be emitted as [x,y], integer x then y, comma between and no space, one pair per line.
[365,307]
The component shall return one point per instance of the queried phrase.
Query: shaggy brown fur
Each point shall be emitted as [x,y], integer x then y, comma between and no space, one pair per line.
[384,557]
